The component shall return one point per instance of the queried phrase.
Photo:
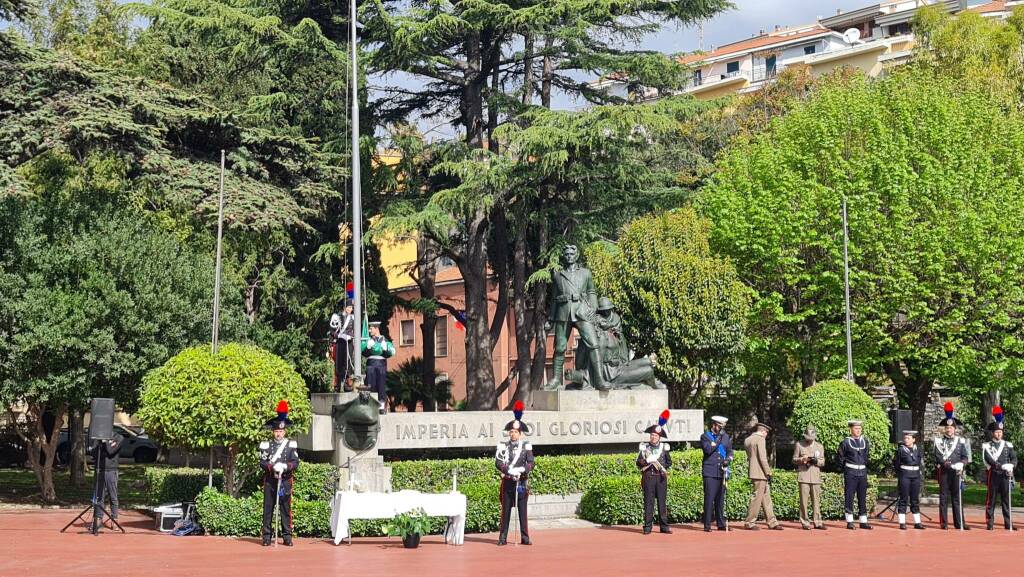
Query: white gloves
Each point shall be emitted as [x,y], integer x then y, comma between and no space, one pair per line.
[1008,467]
[280,468]
[651,458]
[515,471]
[958,467]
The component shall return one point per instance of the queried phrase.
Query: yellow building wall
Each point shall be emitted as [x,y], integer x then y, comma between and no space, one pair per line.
[713,93]
[865,61]
[396,255]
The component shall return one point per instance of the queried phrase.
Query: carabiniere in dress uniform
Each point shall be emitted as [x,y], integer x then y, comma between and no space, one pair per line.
[1000,461]
[654,461]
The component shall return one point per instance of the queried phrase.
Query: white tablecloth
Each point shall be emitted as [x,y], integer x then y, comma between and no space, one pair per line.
[351,505]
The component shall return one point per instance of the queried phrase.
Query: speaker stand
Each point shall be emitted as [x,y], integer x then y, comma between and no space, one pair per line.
[96,507]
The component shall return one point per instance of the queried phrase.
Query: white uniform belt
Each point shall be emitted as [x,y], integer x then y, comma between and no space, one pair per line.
[854,466]
[375,358]
[910,467]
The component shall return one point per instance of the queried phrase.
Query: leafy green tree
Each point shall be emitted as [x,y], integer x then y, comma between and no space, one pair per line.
[678,301]
[829,406]
[94,294]
[485,63]
[199,399]
[932,168]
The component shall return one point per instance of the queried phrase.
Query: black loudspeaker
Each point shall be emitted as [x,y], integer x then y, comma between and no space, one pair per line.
[899,420]
[101,419]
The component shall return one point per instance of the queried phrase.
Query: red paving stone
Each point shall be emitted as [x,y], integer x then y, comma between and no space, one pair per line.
[33,546]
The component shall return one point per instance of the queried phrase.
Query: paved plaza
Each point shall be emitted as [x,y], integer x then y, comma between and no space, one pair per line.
[34,547]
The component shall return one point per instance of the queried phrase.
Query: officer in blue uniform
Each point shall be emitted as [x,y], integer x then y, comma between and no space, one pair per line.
[717,448]
[951,455]
[908,464]
[514,460]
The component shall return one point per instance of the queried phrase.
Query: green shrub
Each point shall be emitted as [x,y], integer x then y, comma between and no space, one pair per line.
[166,485]
[619,500]
[828,405]
[558,475]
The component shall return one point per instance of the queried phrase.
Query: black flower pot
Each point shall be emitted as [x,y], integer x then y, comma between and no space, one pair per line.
[411,541]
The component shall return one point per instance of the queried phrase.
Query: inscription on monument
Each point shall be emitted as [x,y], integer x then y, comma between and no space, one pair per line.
[478,429]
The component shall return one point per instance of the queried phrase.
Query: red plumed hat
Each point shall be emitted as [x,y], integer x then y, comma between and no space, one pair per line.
[281,420]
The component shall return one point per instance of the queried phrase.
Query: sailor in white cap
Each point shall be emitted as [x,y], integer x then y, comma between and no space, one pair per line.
[717,447]
[853,456]
[908,464]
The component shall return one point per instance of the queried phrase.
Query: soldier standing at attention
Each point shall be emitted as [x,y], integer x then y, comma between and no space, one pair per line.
[654,462]
[908,463]
[853,456]
[760,473]
[951,457]
[343,332]
[1000,461]
[717,448]
[278,459]
[514,459]
[809,456]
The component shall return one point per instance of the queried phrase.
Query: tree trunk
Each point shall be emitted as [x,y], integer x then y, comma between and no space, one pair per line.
[479,361]
[471,106]
[539,311]
[500,265]
[426,279]
[528,69]
[912,389]
[523,318]
[231,486]
[988,401]
[41,437]
[547,74]
[76,438]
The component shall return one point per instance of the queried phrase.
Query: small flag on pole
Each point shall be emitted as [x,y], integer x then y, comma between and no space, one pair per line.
[460,320]
[350,290]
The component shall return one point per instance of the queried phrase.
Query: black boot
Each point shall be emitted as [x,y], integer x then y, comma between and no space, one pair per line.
[903,526]
[866,526]
[266,541]
[666,529]
[526,541]
[849,525]
[919,526]
[501,541]
[647,530]
[288,541]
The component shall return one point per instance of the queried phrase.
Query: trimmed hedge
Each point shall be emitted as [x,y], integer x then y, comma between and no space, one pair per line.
[828,406]
[166,485]
[619,500]
[221,515]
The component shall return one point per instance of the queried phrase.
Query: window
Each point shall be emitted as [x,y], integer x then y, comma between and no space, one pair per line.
[732,68]
[408,333]
[808,50]
[697,77]
[769,66]
[441,337]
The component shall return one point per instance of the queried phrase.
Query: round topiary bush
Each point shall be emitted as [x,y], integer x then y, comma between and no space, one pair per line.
[198,399]
[828,406]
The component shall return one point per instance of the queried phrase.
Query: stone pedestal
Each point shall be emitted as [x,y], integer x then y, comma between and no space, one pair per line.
[652,400]
[365,473]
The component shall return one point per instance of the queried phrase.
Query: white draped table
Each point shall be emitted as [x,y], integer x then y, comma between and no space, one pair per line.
[349,505]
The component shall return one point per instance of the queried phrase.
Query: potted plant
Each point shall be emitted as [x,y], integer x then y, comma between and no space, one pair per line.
[410,526]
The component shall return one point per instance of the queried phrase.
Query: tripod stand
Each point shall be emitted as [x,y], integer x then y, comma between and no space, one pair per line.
[97,496]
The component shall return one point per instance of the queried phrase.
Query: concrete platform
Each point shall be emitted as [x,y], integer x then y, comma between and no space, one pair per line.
[33,546]
[654,400]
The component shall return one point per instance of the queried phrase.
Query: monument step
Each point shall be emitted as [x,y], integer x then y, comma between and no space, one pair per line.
[654,400]
[554,506]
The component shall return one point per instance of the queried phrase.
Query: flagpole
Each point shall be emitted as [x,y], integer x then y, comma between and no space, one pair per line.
[846,286]
[357,202]
[216,286]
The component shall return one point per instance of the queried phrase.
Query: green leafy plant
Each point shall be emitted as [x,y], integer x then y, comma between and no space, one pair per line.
[200,399]
[414,522]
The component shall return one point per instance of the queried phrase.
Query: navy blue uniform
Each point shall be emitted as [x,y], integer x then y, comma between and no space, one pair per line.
[853,456]
[908,463]
[717,457]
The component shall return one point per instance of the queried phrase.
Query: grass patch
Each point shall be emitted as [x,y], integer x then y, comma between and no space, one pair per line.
[19,487]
